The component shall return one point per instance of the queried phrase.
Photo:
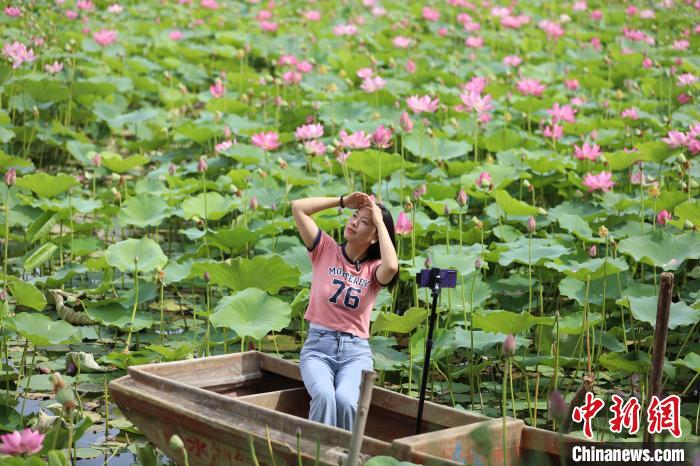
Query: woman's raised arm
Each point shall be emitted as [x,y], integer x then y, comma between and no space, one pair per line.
[302,209]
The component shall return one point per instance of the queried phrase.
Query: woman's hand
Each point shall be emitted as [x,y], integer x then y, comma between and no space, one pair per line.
[356,200]
[377,216]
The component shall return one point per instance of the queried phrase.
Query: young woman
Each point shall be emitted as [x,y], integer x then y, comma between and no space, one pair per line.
[345,282]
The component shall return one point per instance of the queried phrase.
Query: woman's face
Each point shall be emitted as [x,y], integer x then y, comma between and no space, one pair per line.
[360,226]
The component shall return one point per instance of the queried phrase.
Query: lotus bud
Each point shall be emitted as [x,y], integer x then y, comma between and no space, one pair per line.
[446,210]
[3,295]
[428,262]
[406,123]
[160,275]
[66,397]
[283,165]
[557,406]
[593,251]
[176,443]
[408,205]
[654,190]
[478,263]
[531,224]
[116,177]
[462,197]
[603,232]
[207,277]
[10,177]
[171,169]
[478,224]
[253,203]
[56,381]
[97,160]
[116,193]
[527,184]
[202,164]
[509,345]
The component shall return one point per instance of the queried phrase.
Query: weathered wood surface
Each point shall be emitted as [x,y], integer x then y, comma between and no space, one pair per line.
[215,403]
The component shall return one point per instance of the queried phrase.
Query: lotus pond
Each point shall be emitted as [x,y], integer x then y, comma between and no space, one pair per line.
[545,150]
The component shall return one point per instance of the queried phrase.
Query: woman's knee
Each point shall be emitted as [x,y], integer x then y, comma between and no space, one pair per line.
[345,401]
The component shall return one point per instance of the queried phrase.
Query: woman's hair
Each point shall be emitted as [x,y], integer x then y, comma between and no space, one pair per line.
[373,251]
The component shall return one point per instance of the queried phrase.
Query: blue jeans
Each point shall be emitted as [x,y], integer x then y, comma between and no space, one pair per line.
[331,366]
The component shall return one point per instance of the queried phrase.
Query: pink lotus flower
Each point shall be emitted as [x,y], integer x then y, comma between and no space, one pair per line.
[401,42]
[405,122]
[553,30]
[571,84]
[70,14]
[593,251]
[312,15]
[310,131]
[647,63]
[636,178]
[291,77]
[22,442]
[565,113]
[263,15]
[222,146]
[210,4]
[268,141]
[475,102]
[684,98]
[115,8]
[509,345]
[595,43]
[381,138]
[514,22]
[647,14]
[287,60]
[686,79]
[476,84]
[484,179]
[579,6]
[217,89]
[403,224]
[474,42]
[680,44]
[364,73]
[596,15]
[587,152]
[18,54]
[304,67]
[105,37]
[430,14]
[13,11]
[268,26]
[675,139]
[499,11]
[358,140]
[344,30]
[175,35]
[315,147]
[630,113]
[410,66]
[371,85]
[602,181]
[529,86]
[420,191]
[663,216]
[555,131]
[512,60]
[54,67]
[378,11]
[85,5]
[342,157]
[422,104]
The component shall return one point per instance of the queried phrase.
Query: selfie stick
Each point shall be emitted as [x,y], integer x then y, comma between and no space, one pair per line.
[435,282]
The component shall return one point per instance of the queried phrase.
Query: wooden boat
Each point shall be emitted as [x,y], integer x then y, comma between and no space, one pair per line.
[216,404]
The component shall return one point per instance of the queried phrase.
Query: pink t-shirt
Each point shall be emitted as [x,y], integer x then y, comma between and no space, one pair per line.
[342,297]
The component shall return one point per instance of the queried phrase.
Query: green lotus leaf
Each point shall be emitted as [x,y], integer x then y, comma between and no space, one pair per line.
[149,254]
[644,308]
[251,313]
[113,314]
[215,207]
[595,268]
[406,323]
[508,322]
[434,147]
[691,361]
[144,210]
[374,163]
[512,206]
[119,164]
[40,330]
[267,273]
[540,249]
[40,255]
[578,226]
[385,357]
[234,239]
[45,185]
[27,295]
[689,210]
[503,139]
[662,249]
